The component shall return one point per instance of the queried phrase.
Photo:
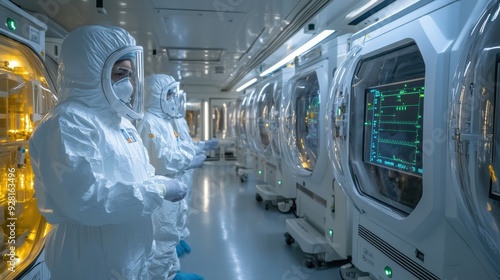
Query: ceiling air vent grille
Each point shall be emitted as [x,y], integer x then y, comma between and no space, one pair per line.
[395,255]
[219,69]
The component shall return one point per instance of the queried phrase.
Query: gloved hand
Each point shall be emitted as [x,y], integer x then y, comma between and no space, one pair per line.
[172,190]
[179,250]
[197,161]
[185,246]
[211,144]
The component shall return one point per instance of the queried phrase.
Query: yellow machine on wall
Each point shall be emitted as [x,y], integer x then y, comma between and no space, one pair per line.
[25,97]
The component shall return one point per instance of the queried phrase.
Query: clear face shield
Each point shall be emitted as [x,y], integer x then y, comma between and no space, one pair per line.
[123,80]
[169,100]
[182,104]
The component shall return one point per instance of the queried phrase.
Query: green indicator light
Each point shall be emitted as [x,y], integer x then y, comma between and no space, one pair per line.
[388,271]
[280,182]
[330,232]
[11,24]
[260,172]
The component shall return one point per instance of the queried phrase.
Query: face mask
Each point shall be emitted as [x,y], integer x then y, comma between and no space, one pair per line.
[123,89]
[170,107]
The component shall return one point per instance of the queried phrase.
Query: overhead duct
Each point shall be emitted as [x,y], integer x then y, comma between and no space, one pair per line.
[371,12]
[303,17]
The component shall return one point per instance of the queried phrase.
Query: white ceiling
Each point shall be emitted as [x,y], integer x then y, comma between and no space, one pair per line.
[231,28]
[215,44]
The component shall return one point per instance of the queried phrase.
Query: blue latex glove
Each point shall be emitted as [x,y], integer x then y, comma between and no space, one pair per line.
[182,276]
[179,250]
[185,246]
[211,144]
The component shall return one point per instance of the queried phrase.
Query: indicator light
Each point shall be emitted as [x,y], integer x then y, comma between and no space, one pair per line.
[388,271]
[11,24]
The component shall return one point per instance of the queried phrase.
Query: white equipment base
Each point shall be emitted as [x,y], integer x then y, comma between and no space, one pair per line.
[243,171]
[268,193]
[310,240]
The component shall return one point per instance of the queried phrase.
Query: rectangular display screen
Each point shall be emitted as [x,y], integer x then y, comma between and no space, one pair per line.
[393,126]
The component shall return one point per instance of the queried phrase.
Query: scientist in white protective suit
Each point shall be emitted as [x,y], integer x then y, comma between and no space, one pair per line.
[93,180]
[162,144]
[196,149]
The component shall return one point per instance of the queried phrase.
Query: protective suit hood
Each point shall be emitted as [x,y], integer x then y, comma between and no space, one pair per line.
[82,59]
[155,87]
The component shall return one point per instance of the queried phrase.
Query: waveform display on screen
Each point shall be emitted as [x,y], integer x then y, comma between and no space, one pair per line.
[393,126]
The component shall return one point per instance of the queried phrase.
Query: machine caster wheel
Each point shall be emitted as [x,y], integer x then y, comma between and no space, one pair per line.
[258,197]
[289,239]
[309,263]
[266,206]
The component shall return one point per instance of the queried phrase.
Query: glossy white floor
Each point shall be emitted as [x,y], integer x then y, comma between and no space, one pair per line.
[234,238]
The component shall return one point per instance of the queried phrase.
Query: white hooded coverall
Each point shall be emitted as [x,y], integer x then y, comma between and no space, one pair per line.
[169,160]
[92,174]
[195,150]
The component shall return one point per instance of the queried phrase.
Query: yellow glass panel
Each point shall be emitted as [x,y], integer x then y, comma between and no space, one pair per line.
[24,99]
